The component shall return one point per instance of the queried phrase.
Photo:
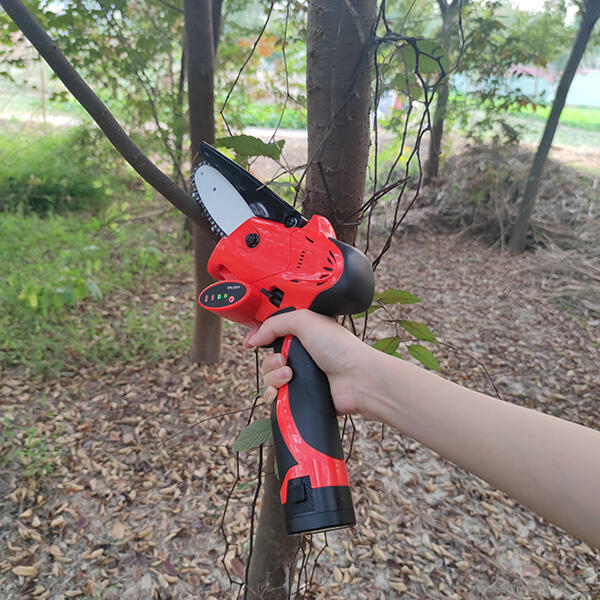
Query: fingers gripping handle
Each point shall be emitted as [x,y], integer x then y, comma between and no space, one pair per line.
[314,481]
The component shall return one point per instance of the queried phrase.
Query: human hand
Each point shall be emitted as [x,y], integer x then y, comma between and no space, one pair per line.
[334,349]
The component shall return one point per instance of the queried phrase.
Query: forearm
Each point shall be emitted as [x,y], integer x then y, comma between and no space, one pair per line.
[551,465]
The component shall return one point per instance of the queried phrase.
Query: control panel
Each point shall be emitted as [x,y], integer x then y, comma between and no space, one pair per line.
[220,295]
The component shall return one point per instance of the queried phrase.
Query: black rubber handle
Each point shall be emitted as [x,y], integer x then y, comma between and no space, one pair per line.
[314,482]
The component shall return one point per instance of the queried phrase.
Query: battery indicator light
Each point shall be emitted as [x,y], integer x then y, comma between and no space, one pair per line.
[224,295]
[219,297]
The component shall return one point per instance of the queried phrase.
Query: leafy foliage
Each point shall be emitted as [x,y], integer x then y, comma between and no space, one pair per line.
[131,54]
[270,89]
[256,434]
[394,296]
[500,39]
[246,146]
[389,345]
[424,356]
[420,331]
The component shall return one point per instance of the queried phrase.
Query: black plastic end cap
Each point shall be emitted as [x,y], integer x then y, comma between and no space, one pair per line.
[309,510]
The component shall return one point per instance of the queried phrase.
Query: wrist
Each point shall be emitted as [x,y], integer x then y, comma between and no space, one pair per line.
[369,375]
[382,380]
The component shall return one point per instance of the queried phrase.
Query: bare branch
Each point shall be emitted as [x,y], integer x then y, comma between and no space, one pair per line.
[171,6]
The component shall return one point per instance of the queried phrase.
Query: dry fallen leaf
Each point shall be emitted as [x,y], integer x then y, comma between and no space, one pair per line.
[25,571]
[58,522]
[530,571]
[118,530]
[424,516]
[337,574]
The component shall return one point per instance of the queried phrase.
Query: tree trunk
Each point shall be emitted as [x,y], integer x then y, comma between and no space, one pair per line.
[200,51]
[271,570]
[338,82]
[589,17]
[338,85]
[448,13]
[432,167]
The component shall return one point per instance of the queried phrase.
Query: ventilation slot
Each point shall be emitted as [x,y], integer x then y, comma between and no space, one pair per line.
[301,259]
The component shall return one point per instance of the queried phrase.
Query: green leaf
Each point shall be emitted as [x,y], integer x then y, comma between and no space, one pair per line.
[371,309]
[80,289]
[256,434]
[410,59]
[393,296]
[92,286]
[427,64]
[389,345]
[420,331]
[67,295]
[424,356]
[247,145]
[246,484]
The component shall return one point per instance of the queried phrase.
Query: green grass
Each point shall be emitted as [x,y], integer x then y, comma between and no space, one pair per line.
[80,290]
[566,135]
[57,170]
[257,114]
[81,283]
[264,115]
[580,117]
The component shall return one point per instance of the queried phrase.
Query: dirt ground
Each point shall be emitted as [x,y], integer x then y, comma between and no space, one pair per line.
[132,514]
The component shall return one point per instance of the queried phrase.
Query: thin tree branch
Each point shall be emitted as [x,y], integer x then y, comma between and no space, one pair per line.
[171,6]
[57,61]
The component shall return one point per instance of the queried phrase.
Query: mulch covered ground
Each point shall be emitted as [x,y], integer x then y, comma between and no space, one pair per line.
[130,513]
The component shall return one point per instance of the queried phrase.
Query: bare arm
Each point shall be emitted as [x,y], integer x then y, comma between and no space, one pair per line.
[549,464]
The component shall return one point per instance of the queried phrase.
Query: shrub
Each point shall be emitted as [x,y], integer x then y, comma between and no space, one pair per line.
[56,171]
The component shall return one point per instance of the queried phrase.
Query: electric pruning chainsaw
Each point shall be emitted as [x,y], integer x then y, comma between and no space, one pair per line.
[271,260]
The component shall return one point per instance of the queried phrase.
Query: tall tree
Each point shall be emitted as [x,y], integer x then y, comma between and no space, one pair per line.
[496,38]
[589,14]
[450,12]
[201,38]
[338,80]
